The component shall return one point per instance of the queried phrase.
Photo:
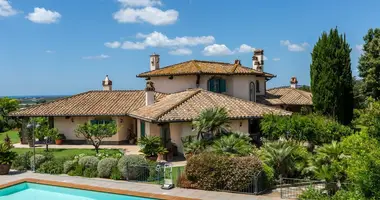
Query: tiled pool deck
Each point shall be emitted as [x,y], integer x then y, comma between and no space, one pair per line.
[130,188]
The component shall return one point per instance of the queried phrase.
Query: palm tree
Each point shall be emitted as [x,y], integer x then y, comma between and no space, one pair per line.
[232,145]
[212,121]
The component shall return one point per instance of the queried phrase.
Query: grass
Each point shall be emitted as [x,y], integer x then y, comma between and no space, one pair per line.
[12,134]
[61,153]
[176,173]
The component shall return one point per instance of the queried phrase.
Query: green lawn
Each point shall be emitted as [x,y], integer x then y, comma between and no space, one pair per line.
[12,134]
[60,153]
[176,173]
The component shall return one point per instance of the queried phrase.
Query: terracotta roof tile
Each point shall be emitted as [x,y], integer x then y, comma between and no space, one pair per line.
[285,96]
[193,67]
[92,103]
[187,105]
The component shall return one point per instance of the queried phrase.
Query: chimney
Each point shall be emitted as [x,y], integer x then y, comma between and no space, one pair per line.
[149,93]
[107,84]
[237,62]
[258,60]
[293,82]
[154,62]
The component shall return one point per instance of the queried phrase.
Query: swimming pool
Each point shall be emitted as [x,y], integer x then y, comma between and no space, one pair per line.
[34,191]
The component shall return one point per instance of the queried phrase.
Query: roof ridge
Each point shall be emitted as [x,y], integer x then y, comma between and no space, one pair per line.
[179,103]
[164,67]
[196,65]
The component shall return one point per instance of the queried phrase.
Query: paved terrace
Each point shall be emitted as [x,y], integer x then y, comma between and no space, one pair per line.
[135,187]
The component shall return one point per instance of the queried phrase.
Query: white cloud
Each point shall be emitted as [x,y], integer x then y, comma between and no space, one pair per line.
[181,52]
[43,16]
[150,15]
[139,3]
[6,9]
[244,48]
[294,47]
[276,59]
[217,50]
[49,51]
[133,45]
[359,48]
[112,45]
[98,57]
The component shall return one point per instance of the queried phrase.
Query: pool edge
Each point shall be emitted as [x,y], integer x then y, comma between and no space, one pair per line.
[94,188]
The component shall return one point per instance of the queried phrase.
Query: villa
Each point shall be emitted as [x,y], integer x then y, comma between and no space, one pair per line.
[174,96]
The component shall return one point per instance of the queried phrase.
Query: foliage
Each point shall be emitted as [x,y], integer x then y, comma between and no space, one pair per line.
[68,153]
[95,133]
[313,128]
[305,88]
[115,174]
[348,195]
[359,96]
[52,167]
[194,147]
[269,176]
[232,145]
[89,161]
[211,171]
[60,137]
[369,118]
[369,63]
[8,105]
[78,171]
[212,121]
[22,161]
[39,160]
[68,166]
[313,194]
[43,132]
[6,155]
[331,77]
[151,146]
[132,166]
[105,167]
[90,172]
[286,157]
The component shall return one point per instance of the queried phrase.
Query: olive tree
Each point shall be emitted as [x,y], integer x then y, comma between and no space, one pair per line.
[95,133]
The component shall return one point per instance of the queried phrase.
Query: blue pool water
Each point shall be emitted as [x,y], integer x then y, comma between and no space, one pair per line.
[32,191]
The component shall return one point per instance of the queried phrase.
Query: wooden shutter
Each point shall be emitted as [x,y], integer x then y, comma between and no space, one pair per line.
[142,128]
[211,85]
[222,85]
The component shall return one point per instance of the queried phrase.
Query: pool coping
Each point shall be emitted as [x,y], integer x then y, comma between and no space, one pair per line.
[94,188]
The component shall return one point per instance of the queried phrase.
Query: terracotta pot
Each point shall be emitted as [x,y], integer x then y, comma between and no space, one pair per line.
[4,169]
[152,158]
[160,157]
[58,142]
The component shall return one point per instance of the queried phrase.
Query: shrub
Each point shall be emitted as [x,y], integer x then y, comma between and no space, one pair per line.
[115,174]
[269,176]
[313,194]
[68,166]
[348,195]
[194,147]
[39,160]
[90,172]
[232,145]
[89,161]
[105,167]
[48,155]
[132,166]
[78,171]
[211,171]
[22,161]
[151,146]
[51,167]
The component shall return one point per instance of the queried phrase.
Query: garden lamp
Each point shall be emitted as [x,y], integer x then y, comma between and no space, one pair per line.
[33,125]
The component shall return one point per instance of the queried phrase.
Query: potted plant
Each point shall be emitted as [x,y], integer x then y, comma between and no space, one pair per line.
[59,139]
[193,148]
[6,157]
[151,146]
[161,151]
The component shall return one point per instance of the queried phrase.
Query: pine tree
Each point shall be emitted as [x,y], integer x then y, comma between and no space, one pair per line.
[369,63]
[331,77]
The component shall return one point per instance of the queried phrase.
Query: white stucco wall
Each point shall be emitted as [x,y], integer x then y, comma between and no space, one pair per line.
[237,86]
[68,126]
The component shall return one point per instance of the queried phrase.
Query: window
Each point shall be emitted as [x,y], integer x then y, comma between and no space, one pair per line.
[142,128]
[101,121]
[252,91]
[217,85]
[257,86]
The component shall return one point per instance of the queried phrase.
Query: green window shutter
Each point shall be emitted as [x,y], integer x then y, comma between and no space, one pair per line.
[222,85]
[211,85]
[142,128]
[94,121]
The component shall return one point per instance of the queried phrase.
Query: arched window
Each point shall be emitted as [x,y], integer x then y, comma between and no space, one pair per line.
[217,85]
[257,86]
[252,91]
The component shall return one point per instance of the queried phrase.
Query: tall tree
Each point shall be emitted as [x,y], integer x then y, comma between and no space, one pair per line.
[369,63]
[331,77]
[7,105]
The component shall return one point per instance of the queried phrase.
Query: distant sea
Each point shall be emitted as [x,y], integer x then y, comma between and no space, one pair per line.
[36,96]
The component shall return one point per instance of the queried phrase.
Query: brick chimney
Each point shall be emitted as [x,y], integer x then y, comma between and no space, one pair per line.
[154,62]
[107,84]
[258,60]
[237,62]
[293,82]
[149,93]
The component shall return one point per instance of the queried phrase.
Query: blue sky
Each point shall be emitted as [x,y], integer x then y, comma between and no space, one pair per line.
[67,47]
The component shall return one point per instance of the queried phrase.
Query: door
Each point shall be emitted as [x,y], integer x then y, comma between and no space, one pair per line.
[166,140]
[254,130]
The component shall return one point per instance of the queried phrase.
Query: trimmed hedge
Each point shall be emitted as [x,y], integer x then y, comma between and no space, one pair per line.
[39,160]
[133,167]
[215,172]
[105,167]
[68,166]
[89,161]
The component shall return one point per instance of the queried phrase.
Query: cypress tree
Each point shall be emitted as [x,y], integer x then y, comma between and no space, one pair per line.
[331,77]
[369,64]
